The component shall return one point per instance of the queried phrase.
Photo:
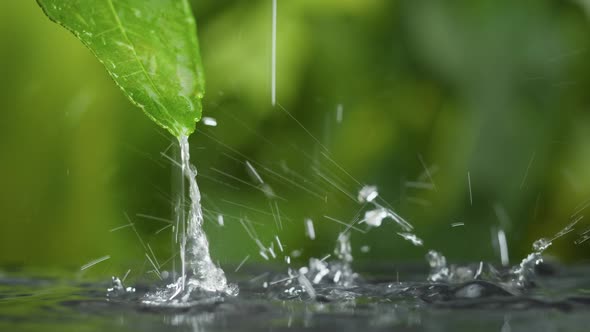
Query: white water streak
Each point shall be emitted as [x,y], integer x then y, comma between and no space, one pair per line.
[274,54]
[348,226]
[279,243]
[281,280]
[247,207]
[582,239]
[156,269]
[242,263]
[302,127]
[174,162]
[470,191]
[309,230]
[568,229]
[153,255]
[146,216]
[259,188]
[274,216]
[581,207]
[340,168]
[94,262]
[479,270]
[528,169]
[335,185]
[126,275]
[503,248]
[163,229]
[278,215]
[253,173]
[120,227]
[289,181]
[427,171]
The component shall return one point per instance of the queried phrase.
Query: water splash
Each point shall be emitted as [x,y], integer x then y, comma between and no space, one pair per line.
[201,279]
[337,272]
[200,276]
[117,288]
[524,273]
[513,280]
[438,266]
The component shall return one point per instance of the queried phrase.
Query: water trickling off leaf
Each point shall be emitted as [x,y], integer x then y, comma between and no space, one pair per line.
[150,49]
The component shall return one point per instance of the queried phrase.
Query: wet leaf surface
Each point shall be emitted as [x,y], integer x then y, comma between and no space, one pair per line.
[150,49]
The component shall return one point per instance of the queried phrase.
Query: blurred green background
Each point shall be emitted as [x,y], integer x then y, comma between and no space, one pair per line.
[498,90]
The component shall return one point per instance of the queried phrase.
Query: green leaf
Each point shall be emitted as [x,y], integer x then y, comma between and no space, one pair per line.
[149,47]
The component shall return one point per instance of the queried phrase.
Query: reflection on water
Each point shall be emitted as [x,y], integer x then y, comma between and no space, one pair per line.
[559,302]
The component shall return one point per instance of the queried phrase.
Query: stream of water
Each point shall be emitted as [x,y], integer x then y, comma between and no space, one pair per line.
[199,275]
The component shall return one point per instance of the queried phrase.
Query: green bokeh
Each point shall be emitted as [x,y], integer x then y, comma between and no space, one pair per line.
[483,87]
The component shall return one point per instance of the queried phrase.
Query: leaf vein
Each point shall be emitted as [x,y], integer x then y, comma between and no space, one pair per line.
[143,69]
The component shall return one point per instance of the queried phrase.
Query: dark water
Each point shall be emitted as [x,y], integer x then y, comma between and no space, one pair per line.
[559,301]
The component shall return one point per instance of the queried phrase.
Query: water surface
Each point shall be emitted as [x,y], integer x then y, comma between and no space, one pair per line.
[560,301]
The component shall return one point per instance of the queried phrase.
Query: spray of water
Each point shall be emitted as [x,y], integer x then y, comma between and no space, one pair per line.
[515,279]
[336,269]
[524,273]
